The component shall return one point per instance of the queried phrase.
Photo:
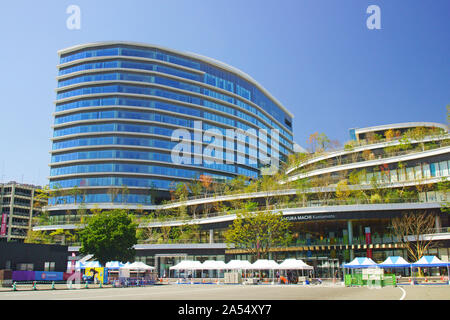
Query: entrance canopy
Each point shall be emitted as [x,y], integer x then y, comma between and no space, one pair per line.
[361,262]
[187,265]
[430,261]
[395,262]
[294,264]
[263,264]
[239,265]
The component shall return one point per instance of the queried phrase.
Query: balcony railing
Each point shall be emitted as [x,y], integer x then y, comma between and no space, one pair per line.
[318,165]
[76,220]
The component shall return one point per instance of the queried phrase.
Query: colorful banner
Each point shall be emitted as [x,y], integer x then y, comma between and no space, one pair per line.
[3,228]
[23,276]
[368,241]
[48,276]
[98,274]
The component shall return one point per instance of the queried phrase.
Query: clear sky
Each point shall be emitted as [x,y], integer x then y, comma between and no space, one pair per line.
[317,57]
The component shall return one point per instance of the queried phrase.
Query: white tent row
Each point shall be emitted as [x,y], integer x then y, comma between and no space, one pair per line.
[261,264]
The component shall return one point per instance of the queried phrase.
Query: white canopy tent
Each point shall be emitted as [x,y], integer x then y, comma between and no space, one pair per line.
[137,266]
[214,265]
[361,262]
[238,265]
[264,264]
[395,262]
[294,264]
[187,265]
[90,264]
[114,265]
[430,261]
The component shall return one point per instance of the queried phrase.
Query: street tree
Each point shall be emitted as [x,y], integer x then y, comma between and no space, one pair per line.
[109,236]
[258,232]
[410,229]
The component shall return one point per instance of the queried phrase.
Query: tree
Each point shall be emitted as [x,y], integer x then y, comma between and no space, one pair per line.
[206,182]
[113,193]
[410,229]
[109,236]
[443,187]
[268,184]
[258,232]
[124,191]
[389,134]
[342,190]
[319,142]
[195,188]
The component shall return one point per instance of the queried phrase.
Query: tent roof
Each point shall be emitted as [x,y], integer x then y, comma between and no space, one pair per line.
[394,262]
[90,264]
[360,262]
[214,265]
[239,264]
[187,265]
[114,264]
[430,261]
[293,264]
[137,266]
[263,264]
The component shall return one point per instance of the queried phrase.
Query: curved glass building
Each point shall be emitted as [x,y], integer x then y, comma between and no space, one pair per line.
[118,105]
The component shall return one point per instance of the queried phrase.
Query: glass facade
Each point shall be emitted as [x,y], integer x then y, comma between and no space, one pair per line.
[117,107]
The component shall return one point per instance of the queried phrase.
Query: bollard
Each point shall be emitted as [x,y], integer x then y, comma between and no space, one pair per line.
[14,286]
[53,285]
[100,284]
[86,286]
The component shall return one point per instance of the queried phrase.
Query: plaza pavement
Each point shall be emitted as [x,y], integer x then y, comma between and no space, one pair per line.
[232,292]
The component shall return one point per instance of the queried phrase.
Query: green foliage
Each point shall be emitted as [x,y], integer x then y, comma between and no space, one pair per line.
[405,143]
[375,198]
[349,146]
[444,187]
[109,236]
[342,190]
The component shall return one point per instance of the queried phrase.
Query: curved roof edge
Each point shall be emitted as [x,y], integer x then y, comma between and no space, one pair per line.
[401,125]
[214,62]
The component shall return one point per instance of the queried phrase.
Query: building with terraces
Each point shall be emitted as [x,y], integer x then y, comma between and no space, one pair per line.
[341,203]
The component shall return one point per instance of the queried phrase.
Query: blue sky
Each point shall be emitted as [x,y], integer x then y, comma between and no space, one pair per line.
[315,56]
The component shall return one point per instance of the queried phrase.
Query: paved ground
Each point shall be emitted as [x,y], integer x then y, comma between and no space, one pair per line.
[235,292]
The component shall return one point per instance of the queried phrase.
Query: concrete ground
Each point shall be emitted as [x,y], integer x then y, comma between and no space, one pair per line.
[231,292]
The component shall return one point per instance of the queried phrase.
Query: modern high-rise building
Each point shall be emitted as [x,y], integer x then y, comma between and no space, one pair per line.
[119,105]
